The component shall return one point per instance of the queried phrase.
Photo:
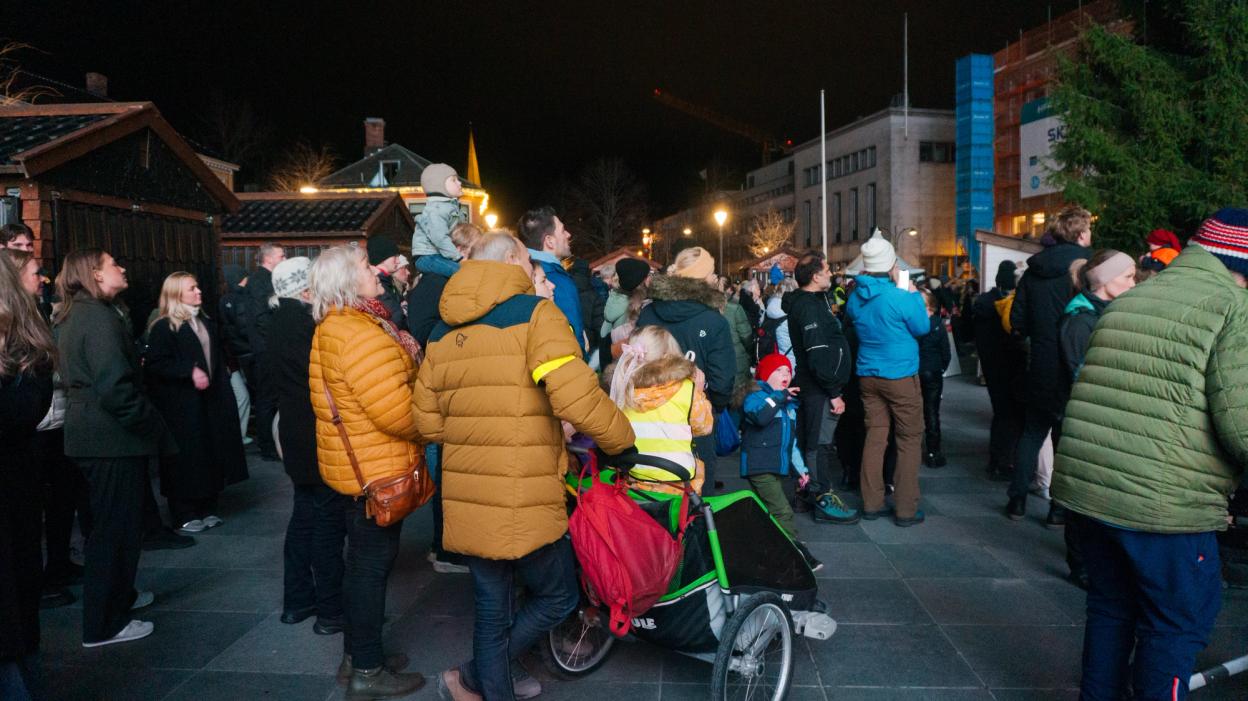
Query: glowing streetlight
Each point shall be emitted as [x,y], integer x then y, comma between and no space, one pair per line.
[687,231]
[721,216]
[308,189]
[491,219]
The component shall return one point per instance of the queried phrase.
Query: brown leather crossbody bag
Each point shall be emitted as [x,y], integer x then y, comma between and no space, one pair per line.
[388,500]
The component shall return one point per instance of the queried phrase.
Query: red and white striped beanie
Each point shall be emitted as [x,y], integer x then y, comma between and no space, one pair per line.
[1225,235]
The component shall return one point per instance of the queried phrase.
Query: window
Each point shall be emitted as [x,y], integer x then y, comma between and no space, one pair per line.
[871,157]
[853,163]
[819,208]
[936,152]
[749,181]
[389,170]
[853,214]
[871,207]
[836,216]
[806,211]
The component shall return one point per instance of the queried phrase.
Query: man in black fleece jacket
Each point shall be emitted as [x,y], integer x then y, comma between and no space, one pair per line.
[823,366]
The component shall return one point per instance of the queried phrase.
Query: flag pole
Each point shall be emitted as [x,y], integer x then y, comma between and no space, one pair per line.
[823,174]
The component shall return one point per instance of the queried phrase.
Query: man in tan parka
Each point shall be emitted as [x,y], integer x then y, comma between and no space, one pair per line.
[500,372]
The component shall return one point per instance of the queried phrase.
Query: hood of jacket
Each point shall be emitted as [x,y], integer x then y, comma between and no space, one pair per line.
[478,287]
[233,274]
[683,298]
[775,308]
[1055,261]
[869,287]
[659,379]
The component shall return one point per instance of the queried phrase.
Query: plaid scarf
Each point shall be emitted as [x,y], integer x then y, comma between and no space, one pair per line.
[376,309]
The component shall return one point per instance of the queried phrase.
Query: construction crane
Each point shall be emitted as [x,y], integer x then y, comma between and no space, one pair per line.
[770,145]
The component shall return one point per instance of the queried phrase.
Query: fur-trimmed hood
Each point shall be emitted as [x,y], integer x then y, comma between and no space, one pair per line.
[670,288]
[665,370]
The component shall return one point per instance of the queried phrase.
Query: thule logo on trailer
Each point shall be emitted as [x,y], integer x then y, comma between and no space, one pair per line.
[644,623]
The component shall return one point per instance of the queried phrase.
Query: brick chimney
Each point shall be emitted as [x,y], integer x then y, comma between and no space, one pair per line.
[97,84]
[374,134]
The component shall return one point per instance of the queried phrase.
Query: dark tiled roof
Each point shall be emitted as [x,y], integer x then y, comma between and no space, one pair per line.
[364,172]
[18,134]
[319,214]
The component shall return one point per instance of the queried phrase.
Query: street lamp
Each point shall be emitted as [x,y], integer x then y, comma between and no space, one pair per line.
[721,216]
[687,231]
[491,219]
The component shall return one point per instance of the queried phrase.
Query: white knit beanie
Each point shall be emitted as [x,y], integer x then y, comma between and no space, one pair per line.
[878,255]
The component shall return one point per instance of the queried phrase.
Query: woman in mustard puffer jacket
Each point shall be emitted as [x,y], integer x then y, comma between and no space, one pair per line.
[361,359]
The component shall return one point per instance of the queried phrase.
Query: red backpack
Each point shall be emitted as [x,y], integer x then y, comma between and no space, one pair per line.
[627,558]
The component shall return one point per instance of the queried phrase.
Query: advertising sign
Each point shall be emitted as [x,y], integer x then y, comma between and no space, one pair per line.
[1038,132]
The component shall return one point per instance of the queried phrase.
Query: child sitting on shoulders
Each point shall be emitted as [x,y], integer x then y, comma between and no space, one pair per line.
[661,393]
[769,451]
[432,248]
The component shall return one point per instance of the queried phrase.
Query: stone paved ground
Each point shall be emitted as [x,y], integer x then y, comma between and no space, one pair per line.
[967,606]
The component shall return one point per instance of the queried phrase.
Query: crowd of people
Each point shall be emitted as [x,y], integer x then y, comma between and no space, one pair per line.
[487,352]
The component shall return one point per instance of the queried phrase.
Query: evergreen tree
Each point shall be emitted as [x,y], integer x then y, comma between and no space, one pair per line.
[1157,123]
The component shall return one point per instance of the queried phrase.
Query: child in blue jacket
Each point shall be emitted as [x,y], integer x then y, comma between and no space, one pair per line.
[769,451]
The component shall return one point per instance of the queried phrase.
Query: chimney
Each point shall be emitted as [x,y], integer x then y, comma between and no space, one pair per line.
[374,134]
[97,84]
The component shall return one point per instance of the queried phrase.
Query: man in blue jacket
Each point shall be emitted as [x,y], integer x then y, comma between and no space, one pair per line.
[549,243]
[889,321]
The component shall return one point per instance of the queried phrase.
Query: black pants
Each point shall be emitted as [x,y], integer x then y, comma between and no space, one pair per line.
[816,433]
[1007,421]
[932,384]
[183,510]
[116,486]
[265,406]
[1037,424]
[704,448]
[64,493]
[314,539]
[371,551]
[21,573]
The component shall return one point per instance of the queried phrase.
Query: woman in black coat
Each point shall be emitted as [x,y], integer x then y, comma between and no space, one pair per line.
[191,386]
[317,530]
[26,360]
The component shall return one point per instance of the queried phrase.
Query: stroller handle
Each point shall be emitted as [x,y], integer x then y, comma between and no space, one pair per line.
[628,460]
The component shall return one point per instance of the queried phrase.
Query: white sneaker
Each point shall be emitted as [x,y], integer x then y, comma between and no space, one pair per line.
[443,567]
[133,631]
[212,521]
[192,526]
[143,600]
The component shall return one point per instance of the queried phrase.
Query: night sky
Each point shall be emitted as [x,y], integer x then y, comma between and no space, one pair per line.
[547,89]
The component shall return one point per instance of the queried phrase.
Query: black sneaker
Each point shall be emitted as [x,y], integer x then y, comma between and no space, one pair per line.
[292,616]
[329,626]
[166,539]
[1017,508]
[935,459]
[1056,518]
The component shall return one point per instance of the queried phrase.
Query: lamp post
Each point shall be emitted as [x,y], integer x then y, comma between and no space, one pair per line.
[491,219]
[721,216]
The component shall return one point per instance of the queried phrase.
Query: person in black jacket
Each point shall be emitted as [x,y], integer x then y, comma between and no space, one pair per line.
[27,357]
[686,302]
[234,311]
[823,366]
[934,357]
[316,532]
[1002,359]
[190,385]
[593,305]
[383,257]
[259,290]
[1042,294]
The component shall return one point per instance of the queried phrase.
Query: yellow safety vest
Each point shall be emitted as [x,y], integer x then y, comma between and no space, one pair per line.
[664,432]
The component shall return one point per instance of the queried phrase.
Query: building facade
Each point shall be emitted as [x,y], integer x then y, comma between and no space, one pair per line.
[885,170]
[1024,71]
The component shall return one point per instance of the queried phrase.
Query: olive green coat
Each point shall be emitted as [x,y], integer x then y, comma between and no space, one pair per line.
[1156,430]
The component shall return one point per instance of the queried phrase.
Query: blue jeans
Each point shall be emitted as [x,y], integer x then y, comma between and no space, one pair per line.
[437,265]
[313,551]
[371,550]
[1156,593]
[500,634]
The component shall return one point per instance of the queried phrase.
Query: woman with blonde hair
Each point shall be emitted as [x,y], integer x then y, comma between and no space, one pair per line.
[361,370]
[112,429]
[27,359]
[190,384]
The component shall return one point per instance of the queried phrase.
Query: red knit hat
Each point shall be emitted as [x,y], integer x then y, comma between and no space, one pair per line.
[769,364]
[1164,238]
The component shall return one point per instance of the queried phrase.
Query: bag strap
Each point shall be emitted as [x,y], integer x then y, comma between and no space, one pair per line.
[346,442]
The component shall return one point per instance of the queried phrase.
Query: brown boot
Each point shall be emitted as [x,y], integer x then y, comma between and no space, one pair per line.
[382,684]
[450,686]
[393,663]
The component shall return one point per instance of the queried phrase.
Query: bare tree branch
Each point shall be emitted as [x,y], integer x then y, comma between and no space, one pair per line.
[10,92]
[302,165]
[232,126]
[769,232]
[609,203]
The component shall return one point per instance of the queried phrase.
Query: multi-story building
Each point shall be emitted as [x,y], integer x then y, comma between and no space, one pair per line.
[886,170]
[1023,198]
